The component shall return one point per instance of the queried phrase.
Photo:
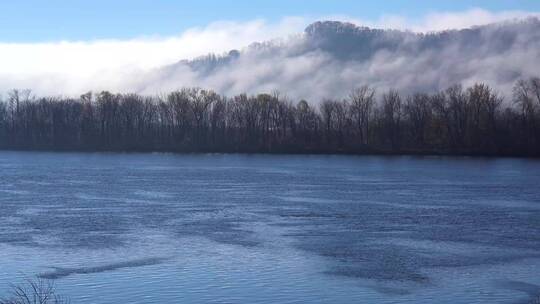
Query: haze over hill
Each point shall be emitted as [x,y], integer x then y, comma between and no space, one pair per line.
[332,57]
[327,59]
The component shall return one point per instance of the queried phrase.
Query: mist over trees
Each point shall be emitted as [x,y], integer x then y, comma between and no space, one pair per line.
[473,120]
[330,57]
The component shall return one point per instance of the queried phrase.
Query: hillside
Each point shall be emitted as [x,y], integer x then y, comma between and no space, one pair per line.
[330,58]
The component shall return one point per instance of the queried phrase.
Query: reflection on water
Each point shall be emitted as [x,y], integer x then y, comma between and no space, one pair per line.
[160,228]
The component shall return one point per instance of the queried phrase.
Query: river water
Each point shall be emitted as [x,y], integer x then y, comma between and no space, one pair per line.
[165,228]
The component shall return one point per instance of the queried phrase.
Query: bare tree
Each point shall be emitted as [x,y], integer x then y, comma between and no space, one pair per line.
[362,101]
[392,112]
[527,98]
[34,291]
[418,111]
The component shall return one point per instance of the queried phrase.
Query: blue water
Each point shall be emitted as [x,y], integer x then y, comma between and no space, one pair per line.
[164,228]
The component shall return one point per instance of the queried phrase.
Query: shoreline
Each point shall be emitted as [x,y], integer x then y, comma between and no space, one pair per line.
[292,153]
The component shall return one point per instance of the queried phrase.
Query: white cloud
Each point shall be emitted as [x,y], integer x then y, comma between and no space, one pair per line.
[73,67]
[440,21]
[83,57]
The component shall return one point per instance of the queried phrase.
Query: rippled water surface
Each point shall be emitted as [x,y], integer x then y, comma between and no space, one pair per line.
[158,228]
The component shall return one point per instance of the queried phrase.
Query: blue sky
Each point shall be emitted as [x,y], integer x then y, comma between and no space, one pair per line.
[54,20]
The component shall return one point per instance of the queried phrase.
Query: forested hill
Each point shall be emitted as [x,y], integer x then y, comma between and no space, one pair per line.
[473,121]
[330,58]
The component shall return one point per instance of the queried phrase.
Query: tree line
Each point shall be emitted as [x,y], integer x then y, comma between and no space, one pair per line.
[473,121]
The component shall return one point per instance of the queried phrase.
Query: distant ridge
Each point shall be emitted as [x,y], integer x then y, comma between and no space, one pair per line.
[331,57]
